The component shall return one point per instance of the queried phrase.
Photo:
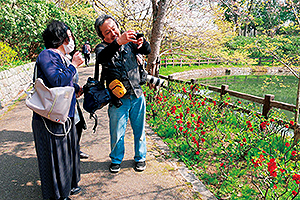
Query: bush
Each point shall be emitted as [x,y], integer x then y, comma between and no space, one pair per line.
[7,54]
[23,21]
[286,45]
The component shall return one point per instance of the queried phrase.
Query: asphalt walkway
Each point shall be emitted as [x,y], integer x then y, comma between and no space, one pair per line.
[163,179]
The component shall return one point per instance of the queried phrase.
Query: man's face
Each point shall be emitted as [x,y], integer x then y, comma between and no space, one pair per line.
[109,30]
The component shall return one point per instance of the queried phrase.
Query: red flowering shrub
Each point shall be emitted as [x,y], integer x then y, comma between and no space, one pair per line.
[206,132]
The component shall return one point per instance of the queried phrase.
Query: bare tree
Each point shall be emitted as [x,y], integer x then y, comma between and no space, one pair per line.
[159,14]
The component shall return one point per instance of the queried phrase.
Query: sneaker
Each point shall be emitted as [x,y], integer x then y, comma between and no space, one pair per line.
[75,191]
[83,155]
[140,166]
[114,168]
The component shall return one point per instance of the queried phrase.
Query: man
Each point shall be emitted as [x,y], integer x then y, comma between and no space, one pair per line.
[117,55]
[86,50]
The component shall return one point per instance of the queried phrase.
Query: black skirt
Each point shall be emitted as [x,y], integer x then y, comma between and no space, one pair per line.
[58,158]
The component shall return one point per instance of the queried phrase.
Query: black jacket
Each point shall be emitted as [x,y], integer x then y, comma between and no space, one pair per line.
[120,62]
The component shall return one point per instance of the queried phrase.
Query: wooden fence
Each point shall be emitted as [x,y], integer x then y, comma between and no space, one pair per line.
[170,60]
[267,102]
[191,61]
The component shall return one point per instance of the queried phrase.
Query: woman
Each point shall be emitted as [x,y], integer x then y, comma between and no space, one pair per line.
[58,156]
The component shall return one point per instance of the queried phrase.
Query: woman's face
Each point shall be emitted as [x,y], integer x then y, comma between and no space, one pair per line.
[109,30]
[66,42]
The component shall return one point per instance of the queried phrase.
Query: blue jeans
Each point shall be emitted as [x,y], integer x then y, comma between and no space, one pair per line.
[134,109]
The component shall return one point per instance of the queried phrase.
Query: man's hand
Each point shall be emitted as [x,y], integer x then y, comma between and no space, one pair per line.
[139,42]
[127,36]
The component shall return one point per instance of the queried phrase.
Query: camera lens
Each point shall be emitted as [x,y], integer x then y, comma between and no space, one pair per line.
[154,80]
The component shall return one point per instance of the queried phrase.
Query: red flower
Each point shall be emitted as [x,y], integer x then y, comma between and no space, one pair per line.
[175,126]
[272,120]
[215,103]
[294,153]
[294,192]
[251,129]
[197,153]
[202,132]
[209,108]
[202,139]
[193,115]
[180,128]
[286,126]
[256,163]
[241,144]
[203,103]
[263,125]
[275,187]
[244,139]
[296,178]
[273,173]
[189,124]
[292,123]
[184,90]
[272,167]
[282,170]
[222,164]
[188,110]
[180,115]
[287,144]
[239,102]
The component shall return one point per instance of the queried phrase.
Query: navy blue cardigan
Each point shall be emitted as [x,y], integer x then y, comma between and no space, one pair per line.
[55,73]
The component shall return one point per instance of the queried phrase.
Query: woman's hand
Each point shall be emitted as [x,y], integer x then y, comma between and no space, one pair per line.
[79,93]
[77,59]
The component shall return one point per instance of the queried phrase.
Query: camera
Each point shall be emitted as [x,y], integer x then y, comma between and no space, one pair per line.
[139,35]
[154,80]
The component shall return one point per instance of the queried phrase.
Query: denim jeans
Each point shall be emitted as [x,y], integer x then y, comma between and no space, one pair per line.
[134,109]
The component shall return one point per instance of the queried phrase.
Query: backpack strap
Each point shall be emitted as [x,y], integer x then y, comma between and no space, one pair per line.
[96,77]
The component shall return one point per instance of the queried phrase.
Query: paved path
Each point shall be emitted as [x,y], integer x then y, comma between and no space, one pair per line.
[19,177]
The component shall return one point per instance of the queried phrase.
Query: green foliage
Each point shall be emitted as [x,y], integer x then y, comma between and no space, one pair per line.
[23,21]
[287,45]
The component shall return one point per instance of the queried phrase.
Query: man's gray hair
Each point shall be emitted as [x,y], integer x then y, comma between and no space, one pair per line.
[100,21]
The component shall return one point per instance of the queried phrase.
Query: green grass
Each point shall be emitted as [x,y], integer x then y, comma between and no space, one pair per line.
[171,70]
[284,88]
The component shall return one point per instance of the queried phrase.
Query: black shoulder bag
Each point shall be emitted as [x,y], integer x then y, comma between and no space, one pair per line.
[96,96]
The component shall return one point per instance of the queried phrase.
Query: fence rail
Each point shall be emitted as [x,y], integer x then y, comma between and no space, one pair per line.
[169,59]
[192,61]
[267,102]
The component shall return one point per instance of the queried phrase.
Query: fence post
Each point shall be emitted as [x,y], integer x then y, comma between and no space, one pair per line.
[223,90]
[170,78]
[267,103]
[193,81]
[259,61]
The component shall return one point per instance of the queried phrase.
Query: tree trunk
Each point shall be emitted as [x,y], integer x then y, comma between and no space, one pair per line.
[159,14]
